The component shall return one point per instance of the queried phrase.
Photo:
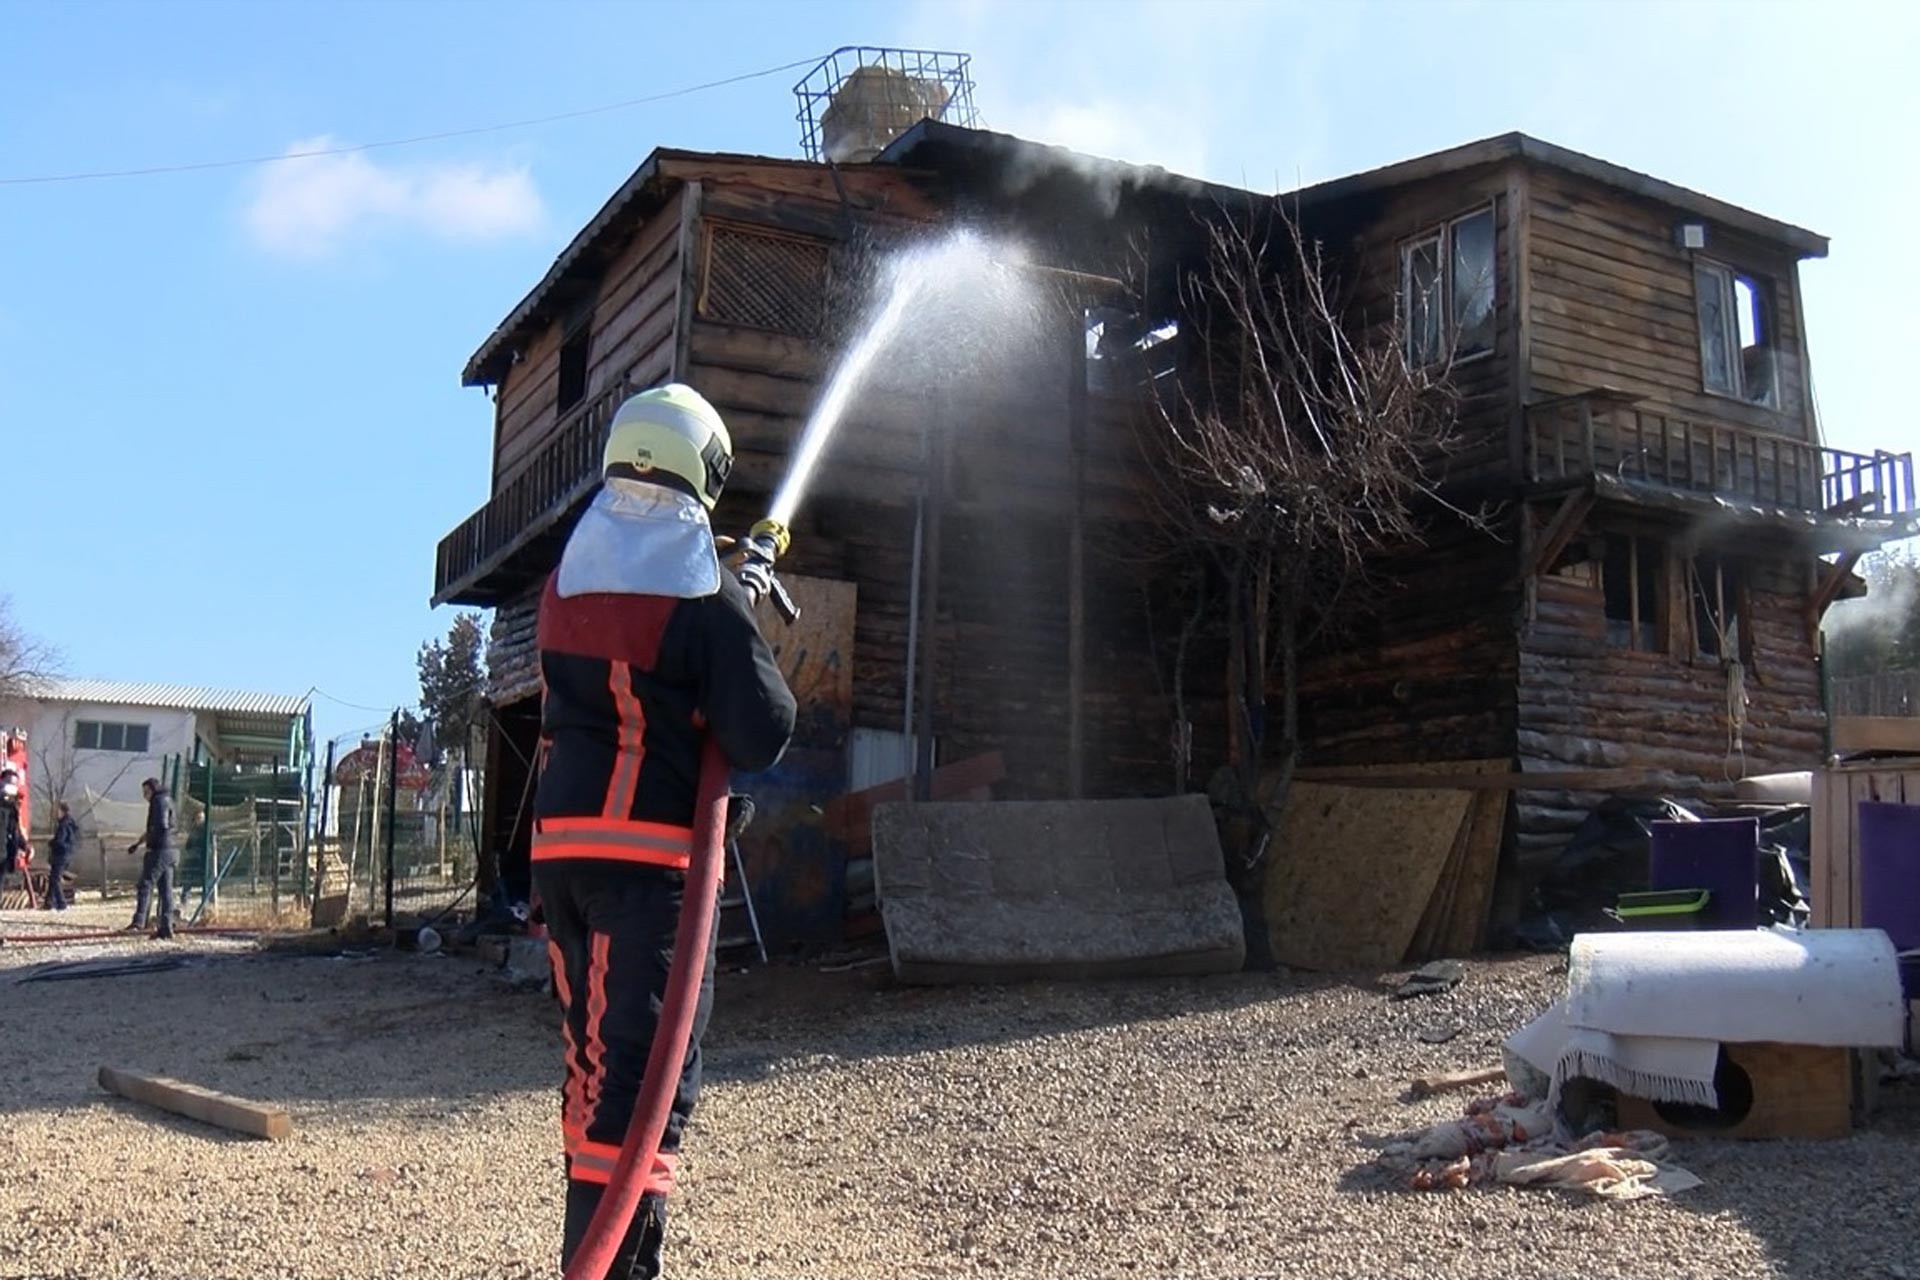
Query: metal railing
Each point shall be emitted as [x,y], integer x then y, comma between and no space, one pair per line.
[561,471]
[1602,432]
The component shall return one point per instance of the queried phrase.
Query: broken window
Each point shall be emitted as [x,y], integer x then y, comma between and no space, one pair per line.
[1423,305]
[1631,581]
[1718,593]
[1447,290]
[1472,284]
[573,370]
[1736,333]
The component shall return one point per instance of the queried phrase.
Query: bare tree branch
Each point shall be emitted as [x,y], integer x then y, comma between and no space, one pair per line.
[1300,445]
[23,658]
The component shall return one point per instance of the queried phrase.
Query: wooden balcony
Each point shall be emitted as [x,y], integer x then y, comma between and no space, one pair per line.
[1607,434]
[495,551]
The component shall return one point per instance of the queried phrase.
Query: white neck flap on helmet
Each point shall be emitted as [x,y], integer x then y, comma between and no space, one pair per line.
[641,539]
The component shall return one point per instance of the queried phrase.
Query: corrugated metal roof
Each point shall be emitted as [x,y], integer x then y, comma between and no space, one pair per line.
[176,697]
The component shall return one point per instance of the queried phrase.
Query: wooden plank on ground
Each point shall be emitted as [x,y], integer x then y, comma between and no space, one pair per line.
[1427,1086]
[1876,733]
[204,1105]
[1353,870]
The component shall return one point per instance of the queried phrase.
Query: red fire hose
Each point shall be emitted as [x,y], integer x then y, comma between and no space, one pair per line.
[624,1189]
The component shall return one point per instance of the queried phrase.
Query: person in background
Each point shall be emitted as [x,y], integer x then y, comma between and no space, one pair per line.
[66,833]
[156,873]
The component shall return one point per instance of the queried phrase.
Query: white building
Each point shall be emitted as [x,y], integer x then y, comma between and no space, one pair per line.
[91,740]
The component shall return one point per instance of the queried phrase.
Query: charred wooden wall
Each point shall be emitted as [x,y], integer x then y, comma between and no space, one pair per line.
[1584,704]
[1612,303]
[630,335]
[1367,237]
[1427,668]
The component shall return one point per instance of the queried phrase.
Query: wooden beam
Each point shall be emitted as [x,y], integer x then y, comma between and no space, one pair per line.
[1520,289]
[204,1105]
[688,283]
[1831,579]
[1427,1086]
[1076,351]
[1619,780]
[1559,531]
[1877,733]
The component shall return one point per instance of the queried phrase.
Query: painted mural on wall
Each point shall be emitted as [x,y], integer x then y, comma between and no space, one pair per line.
[798,876]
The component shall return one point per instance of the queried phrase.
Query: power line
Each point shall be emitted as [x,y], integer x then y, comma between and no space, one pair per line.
[95,175]
[357,706]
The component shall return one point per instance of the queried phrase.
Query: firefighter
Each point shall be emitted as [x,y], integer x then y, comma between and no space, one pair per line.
[646,645]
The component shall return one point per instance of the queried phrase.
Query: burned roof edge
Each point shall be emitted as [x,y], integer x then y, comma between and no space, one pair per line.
[1521,146]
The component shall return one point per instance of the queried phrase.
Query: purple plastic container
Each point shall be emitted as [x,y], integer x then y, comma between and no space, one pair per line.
[1889,853]
[1720,855]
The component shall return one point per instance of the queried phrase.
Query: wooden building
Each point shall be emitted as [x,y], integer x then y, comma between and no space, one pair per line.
[1636,412]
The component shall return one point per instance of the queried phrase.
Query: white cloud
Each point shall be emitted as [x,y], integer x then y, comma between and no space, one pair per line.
[310,206]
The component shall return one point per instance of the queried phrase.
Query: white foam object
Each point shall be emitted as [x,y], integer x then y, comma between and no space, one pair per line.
[1647,1012]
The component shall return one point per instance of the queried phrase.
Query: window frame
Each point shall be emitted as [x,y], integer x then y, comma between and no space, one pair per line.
[1726,278]
[119,737]
[1733,613]
[575,367]
[1442,235]
[1658,625]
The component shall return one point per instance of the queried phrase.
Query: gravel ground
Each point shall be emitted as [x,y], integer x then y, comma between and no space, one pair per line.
[1193,1128]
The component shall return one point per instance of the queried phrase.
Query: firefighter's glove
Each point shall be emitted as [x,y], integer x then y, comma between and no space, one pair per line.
[739,814]
[756,575]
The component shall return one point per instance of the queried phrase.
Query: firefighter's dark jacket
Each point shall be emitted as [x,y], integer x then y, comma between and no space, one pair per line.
[633,684]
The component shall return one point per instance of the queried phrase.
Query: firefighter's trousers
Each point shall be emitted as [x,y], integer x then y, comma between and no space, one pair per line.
[611,930]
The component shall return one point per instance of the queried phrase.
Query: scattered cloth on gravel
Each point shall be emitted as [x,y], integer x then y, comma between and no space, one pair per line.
[1512,1141]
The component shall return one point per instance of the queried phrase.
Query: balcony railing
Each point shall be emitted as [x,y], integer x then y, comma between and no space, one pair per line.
[1604,433]
[565,469]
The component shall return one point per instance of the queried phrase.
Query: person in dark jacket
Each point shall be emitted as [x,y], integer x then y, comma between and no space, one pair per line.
[647,645]
[156,872]
[66,833]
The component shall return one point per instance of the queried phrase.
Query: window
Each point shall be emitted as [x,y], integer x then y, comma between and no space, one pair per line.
[1447,290]
[106,735]
[573,369]
[1631,580]
[1736,333]
[764,279]
[1719,600]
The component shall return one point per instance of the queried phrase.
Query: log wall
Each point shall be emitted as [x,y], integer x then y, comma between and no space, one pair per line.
[1612,303]
[1584,704]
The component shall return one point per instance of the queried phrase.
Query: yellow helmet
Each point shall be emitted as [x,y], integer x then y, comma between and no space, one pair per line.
[670,435]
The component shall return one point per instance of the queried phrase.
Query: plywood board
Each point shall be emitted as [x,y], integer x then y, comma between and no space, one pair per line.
[815,651]
[1472,900]
[1799,1091]
[1353,870]
[1456,914]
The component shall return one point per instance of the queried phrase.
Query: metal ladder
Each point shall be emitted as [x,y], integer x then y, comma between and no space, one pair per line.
[739,896]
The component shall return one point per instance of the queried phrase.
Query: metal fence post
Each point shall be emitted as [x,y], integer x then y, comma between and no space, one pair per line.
[393,794]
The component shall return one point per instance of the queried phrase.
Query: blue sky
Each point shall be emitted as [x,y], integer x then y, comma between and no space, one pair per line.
[230,408]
